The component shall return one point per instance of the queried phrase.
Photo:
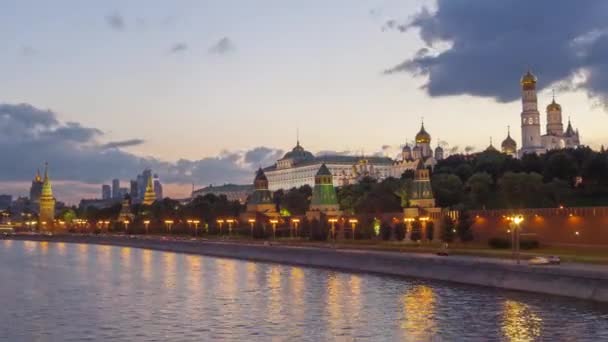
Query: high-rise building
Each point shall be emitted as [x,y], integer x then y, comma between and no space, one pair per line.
[158,188]
[5,201]
[122,192]
[149,195]
[106,192]
[47,202]
[115,188]
[36,188]
[134,191]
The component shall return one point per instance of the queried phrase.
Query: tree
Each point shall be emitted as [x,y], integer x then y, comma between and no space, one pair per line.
[447,229]
[416,233]
[297,200]
[562,166]
[521,190]
[464,227]
[385,231]
[430,230]
[479,187]
[399,231]
[448,189]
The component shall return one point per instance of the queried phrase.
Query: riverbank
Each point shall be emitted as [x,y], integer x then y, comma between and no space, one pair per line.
[581,281]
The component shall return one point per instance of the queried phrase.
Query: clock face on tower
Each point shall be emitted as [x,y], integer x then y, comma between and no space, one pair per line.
[529,121]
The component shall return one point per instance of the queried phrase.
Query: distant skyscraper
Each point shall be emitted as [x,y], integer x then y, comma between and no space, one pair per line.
[47,202]
[149,195]
[134,191]
[5,201]
[158,188]
[115,189]
[122,192]
[142,182]
[106,192]
[36,188]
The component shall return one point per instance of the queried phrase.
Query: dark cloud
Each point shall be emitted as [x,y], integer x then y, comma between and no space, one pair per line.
[178,47]
[123,143]
[222,47]
[481,47]
[116,21]
[30,136]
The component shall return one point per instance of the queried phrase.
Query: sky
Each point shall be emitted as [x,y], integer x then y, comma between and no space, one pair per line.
[204,92]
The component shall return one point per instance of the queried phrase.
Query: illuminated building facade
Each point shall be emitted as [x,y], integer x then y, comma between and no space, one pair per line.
[36,188]
[47,202]
[555,137]
[324,198]
[299,167]
[149,194]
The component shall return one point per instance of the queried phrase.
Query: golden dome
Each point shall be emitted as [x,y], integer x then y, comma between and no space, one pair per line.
[423,137]
[509,146]
[554,106]
[528,81]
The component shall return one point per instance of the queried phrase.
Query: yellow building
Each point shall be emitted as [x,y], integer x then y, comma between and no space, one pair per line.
[47,203]
[149,195]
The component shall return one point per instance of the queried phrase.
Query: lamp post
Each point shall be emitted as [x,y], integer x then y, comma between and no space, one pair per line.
[333,221]
[146,225]
[515,223]
[295,222]
[196,223]
[230,222]
[274,228]
[169,224]
[251,224]
[353,224]
[220,222]
[126,223]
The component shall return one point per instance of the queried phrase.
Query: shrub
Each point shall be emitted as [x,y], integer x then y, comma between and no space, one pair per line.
[499,243]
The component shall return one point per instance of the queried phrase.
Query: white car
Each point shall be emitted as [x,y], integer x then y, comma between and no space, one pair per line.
[548,260]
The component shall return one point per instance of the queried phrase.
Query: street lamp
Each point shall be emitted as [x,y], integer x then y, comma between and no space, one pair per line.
[333,221]
[169,224]
[146,225]
[126,222]
[251,223]
[220,222]
[295,222]
[353,223]
[230,222]
[274,228]
[196,223]
[515,223]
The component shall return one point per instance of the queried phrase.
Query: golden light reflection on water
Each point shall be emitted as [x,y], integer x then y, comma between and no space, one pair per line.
[146,264]
[354,284]
[44,247]
[252,274]
[520,323]
[83,248]
[30,246]
[170,275]
[334,308]
[275,304]
[61,248]
[419,313]
[195,271]
[8,243]
[125,255]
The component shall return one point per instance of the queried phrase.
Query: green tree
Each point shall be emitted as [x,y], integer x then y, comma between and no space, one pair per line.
[521,190]
[560,165]
[447,229]
[448,189]
[479,187]
[464,227]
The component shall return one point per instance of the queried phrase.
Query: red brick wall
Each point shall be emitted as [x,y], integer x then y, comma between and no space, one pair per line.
[549,226]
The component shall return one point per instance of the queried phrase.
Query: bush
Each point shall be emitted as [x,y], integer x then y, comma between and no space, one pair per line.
[385,231]
[499,243]
[399,231]
[503,243]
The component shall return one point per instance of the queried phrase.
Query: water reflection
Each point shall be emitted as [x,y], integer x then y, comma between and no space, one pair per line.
[419,313]
[520,323]
[139,295]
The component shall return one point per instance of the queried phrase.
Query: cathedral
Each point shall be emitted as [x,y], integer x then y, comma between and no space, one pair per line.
[531,139]
[299,167]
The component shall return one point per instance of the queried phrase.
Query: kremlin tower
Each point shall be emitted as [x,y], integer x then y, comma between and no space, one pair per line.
[47,202]
[149,195]
[530,117]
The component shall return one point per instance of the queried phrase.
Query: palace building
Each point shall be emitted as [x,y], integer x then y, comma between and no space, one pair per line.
[47,202]
[531,138]
[299,167]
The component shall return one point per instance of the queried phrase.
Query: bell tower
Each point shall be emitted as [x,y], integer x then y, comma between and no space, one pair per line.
[530,117]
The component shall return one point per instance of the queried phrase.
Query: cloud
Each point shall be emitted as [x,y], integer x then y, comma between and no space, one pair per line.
[116,21]
[222,47]
[28,51]
[481,47]
[123,143]
[29,136]
[178,47]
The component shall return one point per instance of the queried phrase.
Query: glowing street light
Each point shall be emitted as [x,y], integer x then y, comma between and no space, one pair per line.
[274,223]
[295,222]
[515,223]
[230,222]
[169,224]
[220,222]
[196,223]
[146,225]
[251,223]
[353,223]
[333,221]
[126,223]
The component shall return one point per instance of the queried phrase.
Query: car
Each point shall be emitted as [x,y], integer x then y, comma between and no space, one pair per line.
[554,259]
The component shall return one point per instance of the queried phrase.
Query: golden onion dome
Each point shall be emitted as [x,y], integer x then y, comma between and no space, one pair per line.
[554,106]
[528,80]
[508,145]
[423,137]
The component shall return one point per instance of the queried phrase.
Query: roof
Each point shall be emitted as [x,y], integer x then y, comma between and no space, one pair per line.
[337,159]
[226,188]
[260,176]
[323,171]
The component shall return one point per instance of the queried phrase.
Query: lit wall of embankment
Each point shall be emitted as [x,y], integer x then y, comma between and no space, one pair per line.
[589,283]
[551,226]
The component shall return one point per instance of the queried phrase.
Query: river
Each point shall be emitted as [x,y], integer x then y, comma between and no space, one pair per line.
[76,292]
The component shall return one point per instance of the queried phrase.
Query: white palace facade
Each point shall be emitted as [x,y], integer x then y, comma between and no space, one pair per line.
[298,167]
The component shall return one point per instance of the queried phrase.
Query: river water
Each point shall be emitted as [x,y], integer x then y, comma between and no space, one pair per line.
[76,292]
